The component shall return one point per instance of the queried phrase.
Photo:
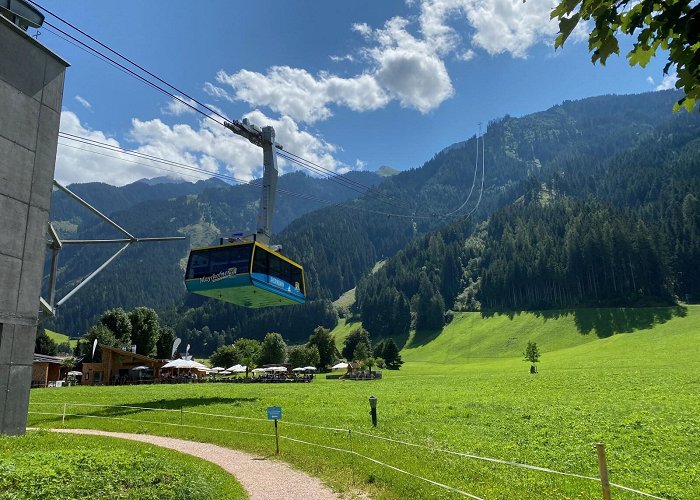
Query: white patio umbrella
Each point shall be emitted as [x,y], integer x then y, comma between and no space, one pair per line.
[75,373]
[258,370]
[340,366]
[225,372]
[177,363]
[299,369]
[185,363]
[217,369]
[198,366]
[276,369]
[237,369]
[141,368]
[310,368]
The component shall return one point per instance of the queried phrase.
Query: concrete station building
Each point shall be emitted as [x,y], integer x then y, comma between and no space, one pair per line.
[31,92]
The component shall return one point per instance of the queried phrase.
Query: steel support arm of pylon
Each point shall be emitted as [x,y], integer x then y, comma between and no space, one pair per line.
[123,240]
[47,306]
[93,209]
[92,275]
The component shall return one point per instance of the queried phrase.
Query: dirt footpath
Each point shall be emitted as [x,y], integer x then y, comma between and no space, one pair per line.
[262,479]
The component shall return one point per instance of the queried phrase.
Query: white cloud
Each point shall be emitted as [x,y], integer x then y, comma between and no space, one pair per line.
[402,63]
[180,106]
[360,165]
[209,146]
[499,26]
[346,57]
[362,28]
[467,55]
[217,92]
[650,80]
[74,164]
[297,93]
[401,67]
[83,102]
[409,68]
[668,82]
[297,141]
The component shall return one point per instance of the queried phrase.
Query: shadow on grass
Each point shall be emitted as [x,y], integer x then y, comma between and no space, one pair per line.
[400,340]
[605,322]
[422,337]
[146,407]
[186,403]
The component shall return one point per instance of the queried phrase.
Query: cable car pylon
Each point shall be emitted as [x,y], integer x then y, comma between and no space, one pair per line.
[264,138]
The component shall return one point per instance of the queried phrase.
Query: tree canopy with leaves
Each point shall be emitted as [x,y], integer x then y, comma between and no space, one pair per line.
[117,320]
[532,354]
[273,349]
[225,356]
[323,340]
[247,353]
[357,336]
[671,25]
[145,328]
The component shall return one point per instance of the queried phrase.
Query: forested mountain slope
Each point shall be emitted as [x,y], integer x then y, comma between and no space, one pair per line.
[590,229]
[571,150]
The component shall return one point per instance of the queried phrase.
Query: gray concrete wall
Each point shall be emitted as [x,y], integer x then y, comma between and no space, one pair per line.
[31,91]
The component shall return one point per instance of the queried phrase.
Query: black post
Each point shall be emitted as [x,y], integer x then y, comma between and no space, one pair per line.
[277,439]
[373,409]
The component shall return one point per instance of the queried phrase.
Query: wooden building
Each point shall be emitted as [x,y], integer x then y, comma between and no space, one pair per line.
[117,367]
[45,370]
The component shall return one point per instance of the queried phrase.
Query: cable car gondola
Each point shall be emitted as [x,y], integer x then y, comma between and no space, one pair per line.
[248,274]
[248,271]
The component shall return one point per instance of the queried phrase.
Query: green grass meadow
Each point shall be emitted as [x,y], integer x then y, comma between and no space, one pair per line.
[43,465]
[627,378]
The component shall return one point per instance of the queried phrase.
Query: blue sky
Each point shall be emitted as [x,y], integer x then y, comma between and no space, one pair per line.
[349,85]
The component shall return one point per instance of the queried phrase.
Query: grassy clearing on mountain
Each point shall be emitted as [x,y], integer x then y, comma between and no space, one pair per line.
[342,330]
[46,465]
[346,300]
[467,390]
[59,338]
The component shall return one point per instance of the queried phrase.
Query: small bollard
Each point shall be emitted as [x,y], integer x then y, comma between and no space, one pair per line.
[373,409]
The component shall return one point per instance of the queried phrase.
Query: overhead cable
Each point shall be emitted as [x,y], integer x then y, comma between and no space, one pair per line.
[212,113]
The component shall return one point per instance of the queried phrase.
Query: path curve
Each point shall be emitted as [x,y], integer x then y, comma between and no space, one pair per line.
[263,479]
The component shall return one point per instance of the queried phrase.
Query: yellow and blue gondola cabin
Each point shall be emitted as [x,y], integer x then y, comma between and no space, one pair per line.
[249,274]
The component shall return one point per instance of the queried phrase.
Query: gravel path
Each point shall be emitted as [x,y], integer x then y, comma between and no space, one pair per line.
[263,479]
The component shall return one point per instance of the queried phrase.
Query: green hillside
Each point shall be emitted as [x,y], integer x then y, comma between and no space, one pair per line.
[472,337]
[59,338]
[343,329]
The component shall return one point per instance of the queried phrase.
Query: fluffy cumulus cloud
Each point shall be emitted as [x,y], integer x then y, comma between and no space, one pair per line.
[404,60]
[296,93]
[499,26]
[409,68]
[208,147]
[75,164]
